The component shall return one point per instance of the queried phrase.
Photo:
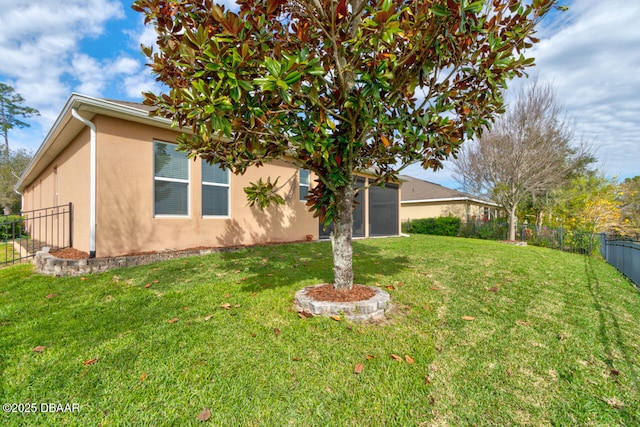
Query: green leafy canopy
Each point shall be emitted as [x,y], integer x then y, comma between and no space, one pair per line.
[336,86]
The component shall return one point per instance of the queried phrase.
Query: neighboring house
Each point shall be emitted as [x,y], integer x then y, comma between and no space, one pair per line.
[423,199]
[132,192]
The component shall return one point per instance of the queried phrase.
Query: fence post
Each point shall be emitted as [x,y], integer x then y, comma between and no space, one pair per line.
[70,225]
[561,233]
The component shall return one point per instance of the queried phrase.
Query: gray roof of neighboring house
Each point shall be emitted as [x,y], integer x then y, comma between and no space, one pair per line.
[415,190]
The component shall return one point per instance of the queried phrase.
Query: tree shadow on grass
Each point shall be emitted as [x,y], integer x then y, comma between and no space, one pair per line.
[609,331]
[306,264]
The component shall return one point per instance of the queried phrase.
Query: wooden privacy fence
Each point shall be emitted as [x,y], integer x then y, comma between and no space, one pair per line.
[623,255]
[21,236]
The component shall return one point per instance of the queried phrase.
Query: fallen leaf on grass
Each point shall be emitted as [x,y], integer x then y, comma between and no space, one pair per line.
[409,359]
[358,368]
[89,362]
[276,331]
[156,281]
[336,318]
[370,356]
[396,357]
[614,402]
[468,318]
[237,306]
[207,318]
[226,306]
[148,285]
[51,296]
[204,415]
[434,288]
[143,377]
[494,289]
[38,349]
[523,322]
[297,359]
[174,320]
[391,288]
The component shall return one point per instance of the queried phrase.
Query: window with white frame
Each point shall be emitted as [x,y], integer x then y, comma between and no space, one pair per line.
[304,184]
[171,180]
[215,190]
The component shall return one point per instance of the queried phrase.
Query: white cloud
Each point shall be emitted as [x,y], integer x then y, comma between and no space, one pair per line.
[593,60]
[137,84]
[144,35]
[124,65]
[90,74]
[39,41]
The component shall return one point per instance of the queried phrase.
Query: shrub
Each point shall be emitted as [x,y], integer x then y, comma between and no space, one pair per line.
[490,230]
[441,226]
[11,226]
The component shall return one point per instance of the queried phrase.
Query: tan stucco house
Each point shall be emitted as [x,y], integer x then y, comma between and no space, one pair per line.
[132,192]
[424,199]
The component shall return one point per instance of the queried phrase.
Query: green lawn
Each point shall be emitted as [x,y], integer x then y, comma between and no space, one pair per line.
[550,339]
[6,253]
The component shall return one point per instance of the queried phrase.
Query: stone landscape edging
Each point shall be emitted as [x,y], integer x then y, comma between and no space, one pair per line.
[373,308]
[50,265]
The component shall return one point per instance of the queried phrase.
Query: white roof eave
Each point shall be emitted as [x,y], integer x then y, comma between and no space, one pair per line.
[451,199]
[66,128]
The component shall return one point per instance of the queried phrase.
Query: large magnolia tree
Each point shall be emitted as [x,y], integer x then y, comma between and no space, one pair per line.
[335,86]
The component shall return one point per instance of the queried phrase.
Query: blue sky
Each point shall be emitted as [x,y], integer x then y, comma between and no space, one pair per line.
[590,54]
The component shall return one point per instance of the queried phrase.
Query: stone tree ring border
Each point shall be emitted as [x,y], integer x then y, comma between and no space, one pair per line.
[373,308]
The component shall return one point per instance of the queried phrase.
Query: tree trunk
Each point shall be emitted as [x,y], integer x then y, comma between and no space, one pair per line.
[512,222]
[341,239]
[5,131]
[539,220]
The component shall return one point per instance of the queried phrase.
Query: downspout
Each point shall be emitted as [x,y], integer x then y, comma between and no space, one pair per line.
[92,182]
[15,190]
[15,187]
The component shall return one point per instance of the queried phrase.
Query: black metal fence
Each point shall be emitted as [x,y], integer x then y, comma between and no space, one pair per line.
[21,236]
[623,254]
[575,241]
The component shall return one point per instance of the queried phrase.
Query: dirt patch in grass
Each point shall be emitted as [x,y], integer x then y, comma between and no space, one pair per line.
[329,293]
